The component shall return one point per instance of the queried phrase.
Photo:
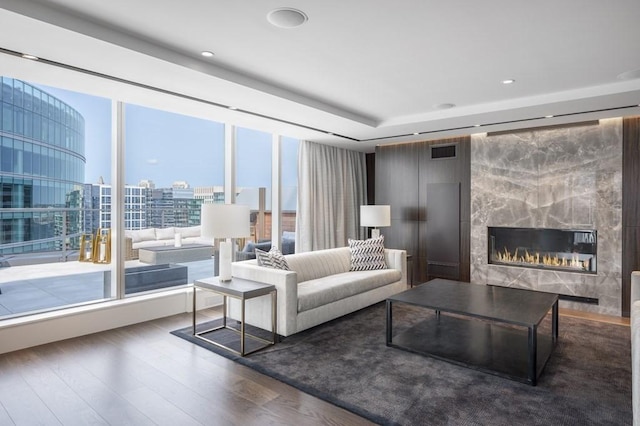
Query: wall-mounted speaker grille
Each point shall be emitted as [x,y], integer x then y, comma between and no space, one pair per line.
[443,151]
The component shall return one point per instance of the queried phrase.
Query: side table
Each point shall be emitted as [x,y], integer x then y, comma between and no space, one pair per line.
[242,290]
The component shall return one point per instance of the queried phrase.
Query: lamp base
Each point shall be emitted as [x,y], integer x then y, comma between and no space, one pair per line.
[225,261]
[375,233]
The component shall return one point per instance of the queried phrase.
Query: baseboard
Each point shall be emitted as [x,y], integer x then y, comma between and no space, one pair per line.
[39,329]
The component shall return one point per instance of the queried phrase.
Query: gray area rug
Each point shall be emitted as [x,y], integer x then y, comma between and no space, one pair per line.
[587,381]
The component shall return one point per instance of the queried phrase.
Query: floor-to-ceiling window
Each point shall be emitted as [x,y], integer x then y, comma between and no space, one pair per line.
[253,180]
[289,170]
[52,153]
[173,164]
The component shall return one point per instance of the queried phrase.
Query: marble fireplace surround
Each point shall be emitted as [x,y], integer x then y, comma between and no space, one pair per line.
[563,178]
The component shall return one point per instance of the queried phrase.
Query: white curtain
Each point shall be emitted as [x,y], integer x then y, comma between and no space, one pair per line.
[332,186]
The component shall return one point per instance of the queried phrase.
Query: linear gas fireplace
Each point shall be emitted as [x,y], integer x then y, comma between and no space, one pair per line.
[555,249]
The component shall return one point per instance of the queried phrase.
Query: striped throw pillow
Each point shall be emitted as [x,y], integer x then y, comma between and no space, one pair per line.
[272,259]
[367,255]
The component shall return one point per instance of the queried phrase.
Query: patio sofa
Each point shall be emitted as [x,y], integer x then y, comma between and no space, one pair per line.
[635,345]
[153,237]
[318,288]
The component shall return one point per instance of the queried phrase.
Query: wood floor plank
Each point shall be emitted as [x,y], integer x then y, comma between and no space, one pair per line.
[158,409]
[5,419]
[193,379]
[22,404]
[141,374]
[68,362]
[62,401]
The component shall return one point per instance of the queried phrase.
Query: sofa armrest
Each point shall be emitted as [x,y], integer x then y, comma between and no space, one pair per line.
[129,252]
[286,283]
[397,259]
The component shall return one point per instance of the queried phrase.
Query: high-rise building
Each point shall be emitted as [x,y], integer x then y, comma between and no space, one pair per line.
[42,163]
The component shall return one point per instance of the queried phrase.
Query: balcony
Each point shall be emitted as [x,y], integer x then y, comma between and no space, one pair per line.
[45,274]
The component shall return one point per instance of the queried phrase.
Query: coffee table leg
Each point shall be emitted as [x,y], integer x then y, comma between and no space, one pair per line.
[389,320]
[533,351]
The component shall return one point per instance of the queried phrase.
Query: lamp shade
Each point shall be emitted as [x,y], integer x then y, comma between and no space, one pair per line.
[375,216]
[225,221]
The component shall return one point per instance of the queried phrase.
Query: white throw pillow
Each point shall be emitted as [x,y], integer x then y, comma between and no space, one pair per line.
[146,234]
[165,233]
[189,231]
[367,255]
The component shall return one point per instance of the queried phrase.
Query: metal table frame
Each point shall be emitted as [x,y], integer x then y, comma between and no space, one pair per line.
[242,290]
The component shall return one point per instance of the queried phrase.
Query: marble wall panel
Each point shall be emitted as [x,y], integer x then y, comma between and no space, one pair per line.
[567,178]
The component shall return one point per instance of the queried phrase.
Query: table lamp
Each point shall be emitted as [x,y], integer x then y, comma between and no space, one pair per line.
[225,221]
[375,216]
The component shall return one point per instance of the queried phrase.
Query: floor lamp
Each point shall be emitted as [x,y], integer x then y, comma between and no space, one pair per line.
[225,221]
[375,216]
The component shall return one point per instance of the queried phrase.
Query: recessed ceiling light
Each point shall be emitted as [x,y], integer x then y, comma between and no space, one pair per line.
[477,125]
[416,134]
[206,53]
[233,107]
[286,17]
[508,81]
[27,56]
[548,116]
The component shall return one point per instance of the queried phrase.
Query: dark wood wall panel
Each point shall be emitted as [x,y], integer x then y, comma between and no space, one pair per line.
[630,206]
[371,178]
[402,173]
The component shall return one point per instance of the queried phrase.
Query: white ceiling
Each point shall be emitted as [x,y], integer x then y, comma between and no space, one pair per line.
[372,71]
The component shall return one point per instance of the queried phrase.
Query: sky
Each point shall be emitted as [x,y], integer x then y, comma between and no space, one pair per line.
[166,147]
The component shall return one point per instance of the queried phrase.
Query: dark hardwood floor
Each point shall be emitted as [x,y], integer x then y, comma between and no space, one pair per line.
[142,375]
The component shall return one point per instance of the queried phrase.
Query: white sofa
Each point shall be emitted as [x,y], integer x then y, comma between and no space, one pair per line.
[152,237]
[318,288]
[635,345]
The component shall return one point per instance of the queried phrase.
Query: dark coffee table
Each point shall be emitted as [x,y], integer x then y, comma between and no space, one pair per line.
[488,328]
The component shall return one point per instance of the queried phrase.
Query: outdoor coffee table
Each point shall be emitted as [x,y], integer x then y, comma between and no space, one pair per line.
[489,328]
[169,254]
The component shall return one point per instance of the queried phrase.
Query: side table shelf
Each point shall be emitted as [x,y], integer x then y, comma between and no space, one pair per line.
[242,290]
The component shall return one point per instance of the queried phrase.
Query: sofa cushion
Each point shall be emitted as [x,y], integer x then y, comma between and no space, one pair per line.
[272,259]
[165,233]
[189,231]
[143,235]
[321,291]
[367,255]
[311,265]
[134,235]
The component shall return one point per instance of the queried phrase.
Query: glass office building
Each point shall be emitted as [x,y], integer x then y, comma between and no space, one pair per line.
[42,163]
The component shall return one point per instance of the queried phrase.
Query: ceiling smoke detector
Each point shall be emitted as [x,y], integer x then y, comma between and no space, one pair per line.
[286,17]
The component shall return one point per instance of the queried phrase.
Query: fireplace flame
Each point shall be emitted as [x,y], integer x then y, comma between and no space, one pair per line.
[546,259]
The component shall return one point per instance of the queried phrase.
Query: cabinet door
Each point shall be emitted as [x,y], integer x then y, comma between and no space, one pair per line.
[443,230]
